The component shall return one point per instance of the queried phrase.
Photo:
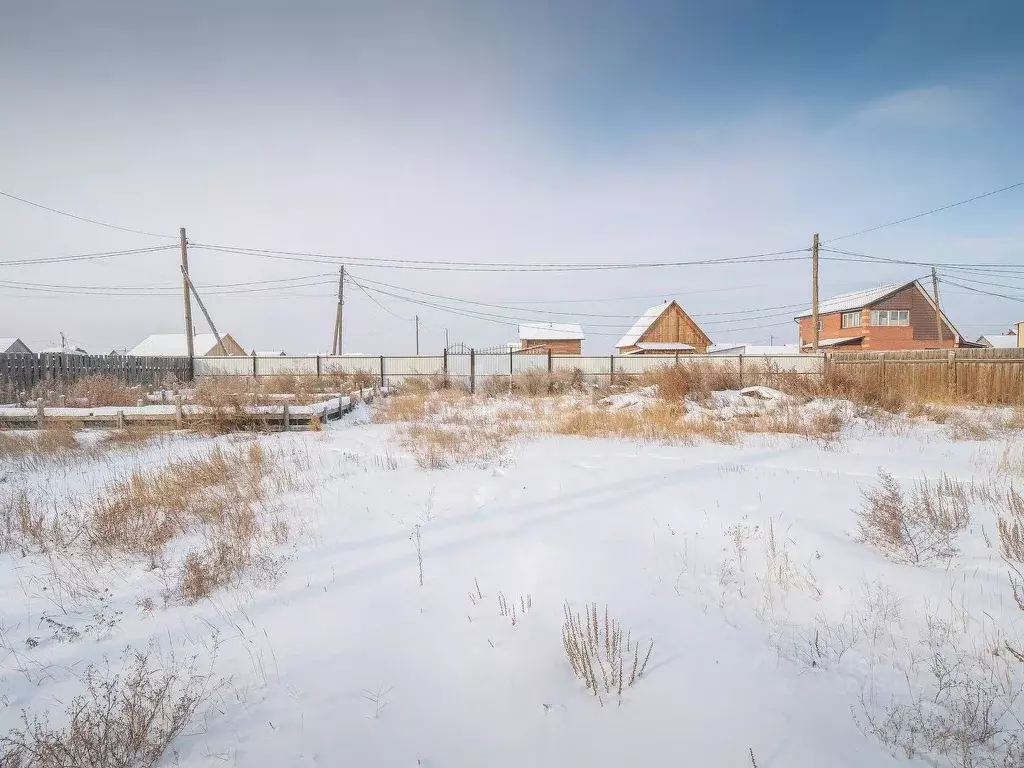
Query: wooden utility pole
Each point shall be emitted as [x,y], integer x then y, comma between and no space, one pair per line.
[188,298]
[338,316]
[209,320]
[814,293]
[417,334]
[446,339]
[938,312]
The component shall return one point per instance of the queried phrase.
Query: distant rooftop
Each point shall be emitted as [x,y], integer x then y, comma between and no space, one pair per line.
[550,331]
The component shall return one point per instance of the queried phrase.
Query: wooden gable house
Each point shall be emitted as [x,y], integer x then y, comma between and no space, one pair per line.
[664,329]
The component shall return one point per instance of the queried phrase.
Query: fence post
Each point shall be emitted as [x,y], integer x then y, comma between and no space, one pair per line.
[549,359]
[472,372]
[951,375]
[178,418]
[286,418]
[254,373]
[741,370]
[883,370]
[382,370]
[611,369]
[318,366]
[120,419]
[444,366]
[677,358]
[510,366]
[40,413]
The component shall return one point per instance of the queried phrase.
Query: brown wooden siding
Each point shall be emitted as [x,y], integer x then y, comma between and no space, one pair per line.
[674,326]
[556,346]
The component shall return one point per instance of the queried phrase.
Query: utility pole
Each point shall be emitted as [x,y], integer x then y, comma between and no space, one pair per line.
[814,293]
[206,314]
[417,335]
[938,312]
[446,338]
[188,298]
[336,347]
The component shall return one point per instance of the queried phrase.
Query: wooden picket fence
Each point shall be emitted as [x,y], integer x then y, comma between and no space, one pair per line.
[23,372]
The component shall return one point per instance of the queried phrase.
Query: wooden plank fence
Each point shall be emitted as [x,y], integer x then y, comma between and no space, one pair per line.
[23,372]
[984,376]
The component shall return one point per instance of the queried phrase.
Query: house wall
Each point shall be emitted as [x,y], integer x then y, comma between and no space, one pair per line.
[675,327]
[555,346]
[1020,334]
[920,334]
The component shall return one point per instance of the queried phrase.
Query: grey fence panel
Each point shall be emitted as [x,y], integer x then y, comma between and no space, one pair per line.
[350,364]
[635,364]
[589,365]
[528,362]
[499,364]
[223,366]
[268,366]
[458,365]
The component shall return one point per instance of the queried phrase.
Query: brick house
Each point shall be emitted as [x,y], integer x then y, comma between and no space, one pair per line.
[896,316]
[664,329]
[557,338]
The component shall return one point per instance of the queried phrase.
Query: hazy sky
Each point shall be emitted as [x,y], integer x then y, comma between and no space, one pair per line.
[583,132]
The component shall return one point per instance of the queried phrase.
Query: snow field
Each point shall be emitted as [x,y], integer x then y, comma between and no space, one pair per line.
[776,634]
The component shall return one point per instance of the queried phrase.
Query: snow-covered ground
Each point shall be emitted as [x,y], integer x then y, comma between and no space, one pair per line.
[778,639]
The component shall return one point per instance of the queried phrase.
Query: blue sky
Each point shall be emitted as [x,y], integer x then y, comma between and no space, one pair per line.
[557,131]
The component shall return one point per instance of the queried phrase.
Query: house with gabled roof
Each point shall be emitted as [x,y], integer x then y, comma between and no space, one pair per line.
[895,316]
[664,329]
[12,346]
[557,338]
[176,345]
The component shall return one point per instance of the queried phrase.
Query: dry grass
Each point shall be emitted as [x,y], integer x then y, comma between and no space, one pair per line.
[693,380]
[539,383]
[124,719]
[662,422]
[38,444]
[600,653]
[98,391]
[439,446]
[915,528]
[134,435]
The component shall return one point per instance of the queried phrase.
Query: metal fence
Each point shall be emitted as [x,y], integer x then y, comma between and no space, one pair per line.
[474,368]
[22,372]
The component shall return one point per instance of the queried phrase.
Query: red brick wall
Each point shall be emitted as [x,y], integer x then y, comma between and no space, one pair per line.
[920,334]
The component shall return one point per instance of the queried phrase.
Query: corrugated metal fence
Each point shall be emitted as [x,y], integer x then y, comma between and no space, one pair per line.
[22,372]
[473,368]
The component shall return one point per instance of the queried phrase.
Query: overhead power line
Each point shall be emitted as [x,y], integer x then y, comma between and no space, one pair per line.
[83,218]
[979,290]
[483,266]
[84,256]
[926,213]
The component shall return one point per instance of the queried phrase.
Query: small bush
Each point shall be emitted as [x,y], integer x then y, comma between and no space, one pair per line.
[125,719]
[695,380]
[914,528]
[102,391]
[600,654]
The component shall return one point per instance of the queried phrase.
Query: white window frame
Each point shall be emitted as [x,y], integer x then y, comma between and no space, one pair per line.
[887,317]
[852,317]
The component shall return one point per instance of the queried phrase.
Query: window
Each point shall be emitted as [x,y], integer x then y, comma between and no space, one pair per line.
[851,319]
[890,317]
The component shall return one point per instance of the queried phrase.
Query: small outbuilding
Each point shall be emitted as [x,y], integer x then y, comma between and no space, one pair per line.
[557,338]
[999,340]
[12,346]
[176,345]
[664,329]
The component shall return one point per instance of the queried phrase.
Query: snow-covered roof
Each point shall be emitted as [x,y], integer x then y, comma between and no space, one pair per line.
[835,342]
[63,351]
[753,349]
[550,331]
[645,321]
[995,340]
[267,353]
[856,299]
[665,346]
[174,345]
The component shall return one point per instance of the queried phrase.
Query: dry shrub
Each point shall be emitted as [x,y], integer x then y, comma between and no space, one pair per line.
[695,380]
[218,496]
[50,442]
[223,392]
[134,434]
[401,407]
[1011,460]
[538,383]
[662,422]
[438,446]
[23,527]
[842,384]
[965,427]
[600,654]
[124,719]
[915,528]
[102,391]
